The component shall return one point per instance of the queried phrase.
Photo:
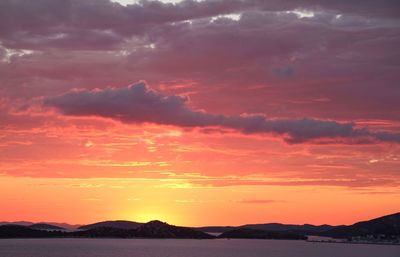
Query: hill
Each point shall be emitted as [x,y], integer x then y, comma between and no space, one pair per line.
[158,229]
[18,223]
[28,223]
[305,229]
[387,225]
[152,229]
[17,231]
[45,226]
[215,229]
[117,224]
[104,232]
[302,229]
[249,233]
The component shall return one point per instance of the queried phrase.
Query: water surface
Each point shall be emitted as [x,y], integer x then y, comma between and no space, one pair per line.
[187,248]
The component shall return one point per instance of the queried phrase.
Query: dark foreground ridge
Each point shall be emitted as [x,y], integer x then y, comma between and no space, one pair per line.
[386,228]
[120,224]
[249,233]
[152,229]
[387,225]
[305,229]
[44,226]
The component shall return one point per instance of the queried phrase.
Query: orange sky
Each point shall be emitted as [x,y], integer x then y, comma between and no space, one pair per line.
[199,113]
[80,172]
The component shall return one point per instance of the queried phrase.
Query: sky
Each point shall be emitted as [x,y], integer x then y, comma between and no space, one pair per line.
[213,112]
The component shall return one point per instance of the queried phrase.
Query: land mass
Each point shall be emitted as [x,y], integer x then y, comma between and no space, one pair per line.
[152,229]
[119,224]
[385,225]
[248,233]
[386,228]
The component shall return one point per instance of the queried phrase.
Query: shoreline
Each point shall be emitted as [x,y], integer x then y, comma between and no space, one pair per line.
[350,242]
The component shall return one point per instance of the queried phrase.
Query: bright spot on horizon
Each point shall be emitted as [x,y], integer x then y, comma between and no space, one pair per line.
[150,216]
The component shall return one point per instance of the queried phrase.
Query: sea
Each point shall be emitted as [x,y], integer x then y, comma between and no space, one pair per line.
[188,248]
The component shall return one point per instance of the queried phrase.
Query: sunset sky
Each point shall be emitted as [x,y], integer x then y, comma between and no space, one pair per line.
[213,112]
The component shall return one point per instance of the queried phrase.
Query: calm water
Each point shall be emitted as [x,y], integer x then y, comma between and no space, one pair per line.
[186,248]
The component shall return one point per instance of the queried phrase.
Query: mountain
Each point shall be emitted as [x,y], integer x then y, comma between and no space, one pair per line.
[18,223]
[305,229]
[45,226]
[249,233]
[64,225]
[28,223]
[152,229]
[18,231]
[118,224]
[215,229]
[158,229]
[104,232]
[387,225]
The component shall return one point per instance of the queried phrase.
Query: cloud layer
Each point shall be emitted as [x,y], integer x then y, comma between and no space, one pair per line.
[334,61]
[292,55]
[140,104]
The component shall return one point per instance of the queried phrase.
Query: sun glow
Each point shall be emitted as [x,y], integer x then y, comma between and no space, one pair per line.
[147,215]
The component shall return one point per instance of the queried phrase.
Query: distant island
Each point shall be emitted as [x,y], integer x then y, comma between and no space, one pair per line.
[108,229]
[384,229]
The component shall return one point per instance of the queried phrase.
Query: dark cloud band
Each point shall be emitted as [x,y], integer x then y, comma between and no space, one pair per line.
[140,104]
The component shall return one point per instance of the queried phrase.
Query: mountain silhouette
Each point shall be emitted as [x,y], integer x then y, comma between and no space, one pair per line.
[118,224]
[28,223]
[249,233]
[18,231]
[386,226]
[306,229]
[158,229]
[152,229]
[45,226]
